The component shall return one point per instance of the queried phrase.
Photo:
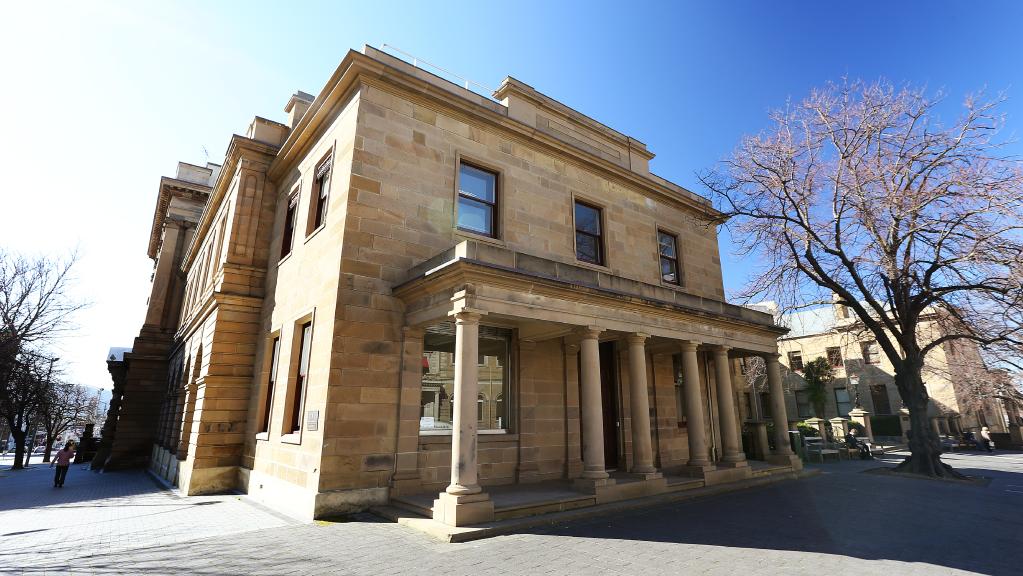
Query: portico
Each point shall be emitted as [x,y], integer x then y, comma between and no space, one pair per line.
[585,379]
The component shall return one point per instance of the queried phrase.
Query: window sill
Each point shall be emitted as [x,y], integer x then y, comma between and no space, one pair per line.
[285,259]
[598,267]
[469,235]
[444,437]
[262,436]
[315,231]
[293,438]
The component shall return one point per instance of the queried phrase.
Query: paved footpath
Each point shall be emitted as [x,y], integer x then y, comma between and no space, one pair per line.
[840,522]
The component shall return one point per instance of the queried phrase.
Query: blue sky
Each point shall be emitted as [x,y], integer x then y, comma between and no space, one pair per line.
[103,98]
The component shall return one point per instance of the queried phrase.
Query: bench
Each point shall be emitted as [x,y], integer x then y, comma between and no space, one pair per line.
[814,445]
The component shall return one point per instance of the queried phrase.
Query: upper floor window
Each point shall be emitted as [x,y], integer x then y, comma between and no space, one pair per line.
[322,186]
[301,377]
[667,247]
[289,226]
[268,398]
[835,357]
[871,352]
[589,235]
[796,361]
[477,200]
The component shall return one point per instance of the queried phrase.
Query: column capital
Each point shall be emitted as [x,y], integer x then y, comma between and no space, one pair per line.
[589,332]
[571,348]
[720,349]
[688,345]
[771,356]
[466,315]
[637,338]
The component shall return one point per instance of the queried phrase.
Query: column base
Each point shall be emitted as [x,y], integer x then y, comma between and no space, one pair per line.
[590,485]
[786,460]
[733,462]
[463,510]
[699,470]
[654,475]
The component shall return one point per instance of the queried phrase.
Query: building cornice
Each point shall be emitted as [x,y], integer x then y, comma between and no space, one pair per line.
[170,188]
[357,69]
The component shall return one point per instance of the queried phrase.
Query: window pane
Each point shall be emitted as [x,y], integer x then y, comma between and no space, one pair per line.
[586,248]
[438,381]
[587,219]
[668,272]
[666,244]
[476,216]
[476,182]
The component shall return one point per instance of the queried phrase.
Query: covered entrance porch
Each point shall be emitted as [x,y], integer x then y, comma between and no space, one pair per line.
[605,396]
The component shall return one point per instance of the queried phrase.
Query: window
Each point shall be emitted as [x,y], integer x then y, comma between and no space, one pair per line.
[765,406]
[871,352]
[667,247]
[743,368]
[796,361]
[275,350]
[842,402]
[879,397]
[301,376]
[680,393]
[437,398]
[835,357]
[477,200]
[589,238]
[289,225]
[321,186]
[803,404]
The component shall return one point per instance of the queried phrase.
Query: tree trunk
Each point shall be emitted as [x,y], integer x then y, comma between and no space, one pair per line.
[49,446]
[924,445]
[19,449]
[30,440]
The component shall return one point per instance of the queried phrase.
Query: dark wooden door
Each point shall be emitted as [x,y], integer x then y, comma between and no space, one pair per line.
[609,398]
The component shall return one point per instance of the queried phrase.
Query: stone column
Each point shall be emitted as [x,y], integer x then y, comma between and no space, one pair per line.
[464,478]
[694,407]
[592,406]
[464,502]
[839,428]
[782,452]
[642,453]
[733,454]
[862,417]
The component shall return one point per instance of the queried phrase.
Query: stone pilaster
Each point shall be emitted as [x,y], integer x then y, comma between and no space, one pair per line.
[406,462]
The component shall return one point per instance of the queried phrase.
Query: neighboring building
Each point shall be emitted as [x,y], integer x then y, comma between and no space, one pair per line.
[410,288]
[862,369]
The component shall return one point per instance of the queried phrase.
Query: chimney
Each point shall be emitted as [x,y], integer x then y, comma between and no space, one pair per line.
[841,310]
[297,106]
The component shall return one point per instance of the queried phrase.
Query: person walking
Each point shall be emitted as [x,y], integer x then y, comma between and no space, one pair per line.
[985,435]
[63,460]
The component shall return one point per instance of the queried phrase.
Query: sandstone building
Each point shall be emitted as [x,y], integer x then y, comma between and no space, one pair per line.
[954,374]
[412,290]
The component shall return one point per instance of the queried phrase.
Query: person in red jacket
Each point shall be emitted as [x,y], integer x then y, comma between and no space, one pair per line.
[63,460]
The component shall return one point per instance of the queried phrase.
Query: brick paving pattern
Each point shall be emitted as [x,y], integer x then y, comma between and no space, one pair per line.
[841,522]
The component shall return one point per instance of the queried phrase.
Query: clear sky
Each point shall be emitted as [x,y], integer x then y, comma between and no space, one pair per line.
[102,98]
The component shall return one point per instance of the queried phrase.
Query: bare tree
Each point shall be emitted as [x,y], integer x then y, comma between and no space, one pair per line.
[21,394]
[860,191]
[63,405]
[35,307]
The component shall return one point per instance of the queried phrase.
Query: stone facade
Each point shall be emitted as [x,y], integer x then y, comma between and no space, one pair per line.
[349,334]
[831,333]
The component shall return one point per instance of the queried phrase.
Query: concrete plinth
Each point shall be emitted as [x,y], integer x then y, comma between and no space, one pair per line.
[722,475]
[590,485]
[463,510]
[736,464]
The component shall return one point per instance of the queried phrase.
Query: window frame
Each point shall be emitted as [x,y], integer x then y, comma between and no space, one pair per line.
[602,258]
[270,382]
[297,383]
[866,353]
[495,206]
[319,199]
[290,224]
[792,355]
[838,404]
[831,362]
[676,260]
